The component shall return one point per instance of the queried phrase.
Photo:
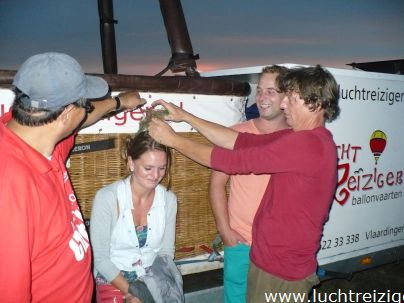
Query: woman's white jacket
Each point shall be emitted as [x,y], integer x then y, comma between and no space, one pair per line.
[113,235]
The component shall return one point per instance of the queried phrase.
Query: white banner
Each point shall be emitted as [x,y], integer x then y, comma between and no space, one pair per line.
[226,110]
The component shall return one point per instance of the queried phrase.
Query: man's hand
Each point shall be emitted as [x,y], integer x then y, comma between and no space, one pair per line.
[130,100]
[161,132]
[231,238]
[174,113]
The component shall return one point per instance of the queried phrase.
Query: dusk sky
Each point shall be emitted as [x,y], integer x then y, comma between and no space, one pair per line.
[225,33]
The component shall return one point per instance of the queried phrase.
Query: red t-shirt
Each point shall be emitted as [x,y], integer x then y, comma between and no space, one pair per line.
[45,253]
[289,222]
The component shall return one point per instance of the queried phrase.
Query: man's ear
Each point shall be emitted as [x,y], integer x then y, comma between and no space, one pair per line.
[66,114]
[130,164]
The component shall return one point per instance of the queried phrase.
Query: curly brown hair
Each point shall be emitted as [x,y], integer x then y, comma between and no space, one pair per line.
[316,86]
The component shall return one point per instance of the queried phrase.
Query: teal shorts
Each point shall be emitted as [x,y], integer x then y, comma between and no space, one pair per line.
[236,265]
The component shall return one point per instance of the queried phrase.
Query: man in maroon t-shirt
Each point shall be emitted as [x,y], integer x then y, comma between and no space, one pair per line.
[302,162]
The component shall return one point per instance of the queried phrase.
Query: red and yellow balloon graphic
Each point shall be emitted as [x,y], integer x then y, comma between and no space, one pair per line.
[378,141]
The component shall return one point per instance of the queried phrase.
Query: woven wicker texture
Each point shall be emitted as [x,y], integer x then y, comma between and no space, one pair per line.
[189,181]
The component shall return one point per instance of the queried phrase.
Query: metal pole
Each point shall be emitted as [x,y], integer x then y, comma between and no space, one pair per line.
[107,30]
[183,58]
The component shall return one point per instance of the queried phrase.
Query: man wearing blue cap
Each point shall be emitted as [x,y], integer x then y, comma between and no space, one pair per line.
[45,253]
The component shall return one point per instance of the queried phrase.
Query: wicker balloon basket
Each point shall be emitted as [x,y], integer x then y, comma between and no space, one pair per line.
[195,229]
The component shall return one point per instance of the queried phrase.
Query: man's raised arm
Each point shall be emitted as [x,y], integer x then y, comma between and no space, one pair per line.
[217,134]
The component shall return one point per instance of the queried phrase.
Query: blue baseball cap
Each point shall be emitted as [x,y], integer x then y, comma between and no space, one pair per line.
[53,80]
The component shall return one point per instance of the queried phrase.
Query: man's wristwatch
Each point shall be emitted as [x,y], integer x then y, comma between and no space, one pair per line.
[118,103]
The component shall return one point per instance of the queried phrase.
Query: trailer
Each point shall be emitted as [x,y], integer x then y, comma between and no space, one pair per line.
[366,222]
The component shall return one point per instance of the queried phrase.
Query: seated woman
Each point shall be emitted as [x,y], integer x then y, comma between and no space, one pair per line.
[133,221]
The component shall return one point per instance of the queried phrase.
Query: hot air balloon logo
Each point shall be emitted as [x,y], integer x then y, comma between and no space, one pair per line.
[378,141]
